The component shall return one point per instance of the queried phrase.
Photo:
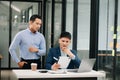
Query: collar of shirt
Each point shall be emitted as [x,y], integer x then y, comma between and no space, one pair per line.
[31,31]
[62,53]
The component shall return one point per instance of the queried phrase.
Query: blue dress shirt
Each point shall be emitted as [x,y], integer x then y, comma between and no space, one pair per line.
[23,40]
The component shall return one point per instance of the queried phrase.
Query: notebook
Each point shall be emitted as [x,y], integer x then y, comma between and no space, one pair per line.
[64,62]
[85,66]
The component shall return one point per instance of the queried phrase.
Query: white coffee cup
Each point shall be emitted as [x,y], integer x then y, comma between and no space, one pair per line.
[33,66]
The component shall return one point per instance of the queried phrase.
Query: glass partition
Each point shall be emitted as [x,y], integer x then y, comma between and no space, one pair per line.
[83,32]
[57,20]
[48,24]
[69,18]
[4,33]
[106,52]
[118,45]
[106,31]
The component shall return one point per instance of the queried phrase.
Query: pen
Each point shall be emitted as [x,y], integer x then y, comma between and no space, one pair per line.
[55,59]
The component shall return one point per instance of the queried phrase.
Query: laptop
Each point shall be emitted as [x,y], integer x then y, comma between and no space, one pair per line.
[85,66]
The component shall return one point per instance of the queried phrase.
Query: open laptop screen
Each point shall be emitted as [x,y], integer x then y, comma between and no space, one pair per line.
[85,66]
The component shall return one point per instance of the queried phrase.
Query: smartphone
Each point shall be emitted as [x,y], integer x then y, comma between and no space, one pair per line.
[43,71]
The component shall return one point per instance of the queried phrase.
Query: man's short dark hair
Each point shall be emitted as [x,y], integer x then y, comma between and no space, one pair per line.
[66,35]
[33,17]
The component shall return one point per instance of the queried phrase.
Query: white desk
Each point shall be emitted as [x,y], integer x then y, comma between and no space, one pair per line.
[30,75]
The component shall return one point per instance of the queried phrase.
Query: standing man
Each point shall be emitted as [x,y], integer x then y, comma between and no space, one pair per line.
[31,44]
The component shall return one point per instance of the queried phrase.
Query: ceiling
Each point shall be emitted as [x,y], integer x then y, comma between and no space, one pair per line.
[17,6]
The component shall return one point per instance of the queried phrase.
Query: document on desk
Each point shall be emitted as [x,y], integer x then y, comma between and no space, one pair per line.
[64,61]
[57,71]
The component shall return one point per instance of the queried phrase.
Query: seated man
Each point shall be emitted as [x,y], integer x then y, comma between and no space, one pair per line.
[62,50]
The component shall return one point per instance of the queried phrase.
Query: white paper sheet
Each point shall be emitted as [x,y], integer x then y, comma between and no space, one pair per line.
[57,72]
[64,62]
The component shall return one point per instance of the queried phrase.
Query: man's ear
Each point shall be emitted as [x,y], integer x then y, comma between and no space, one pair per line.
[30,22]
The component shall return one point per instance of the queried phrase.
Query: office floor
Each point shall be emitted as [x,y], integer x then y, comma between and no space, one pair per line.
[9,75]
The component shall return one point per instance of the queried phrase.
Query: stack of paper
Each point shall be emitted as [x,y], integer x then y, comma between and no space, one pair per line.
[64,62]
[57,71]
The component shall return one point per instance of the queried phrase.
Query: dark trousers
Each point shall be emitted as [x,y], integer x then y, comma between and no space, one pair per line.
[28,65]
